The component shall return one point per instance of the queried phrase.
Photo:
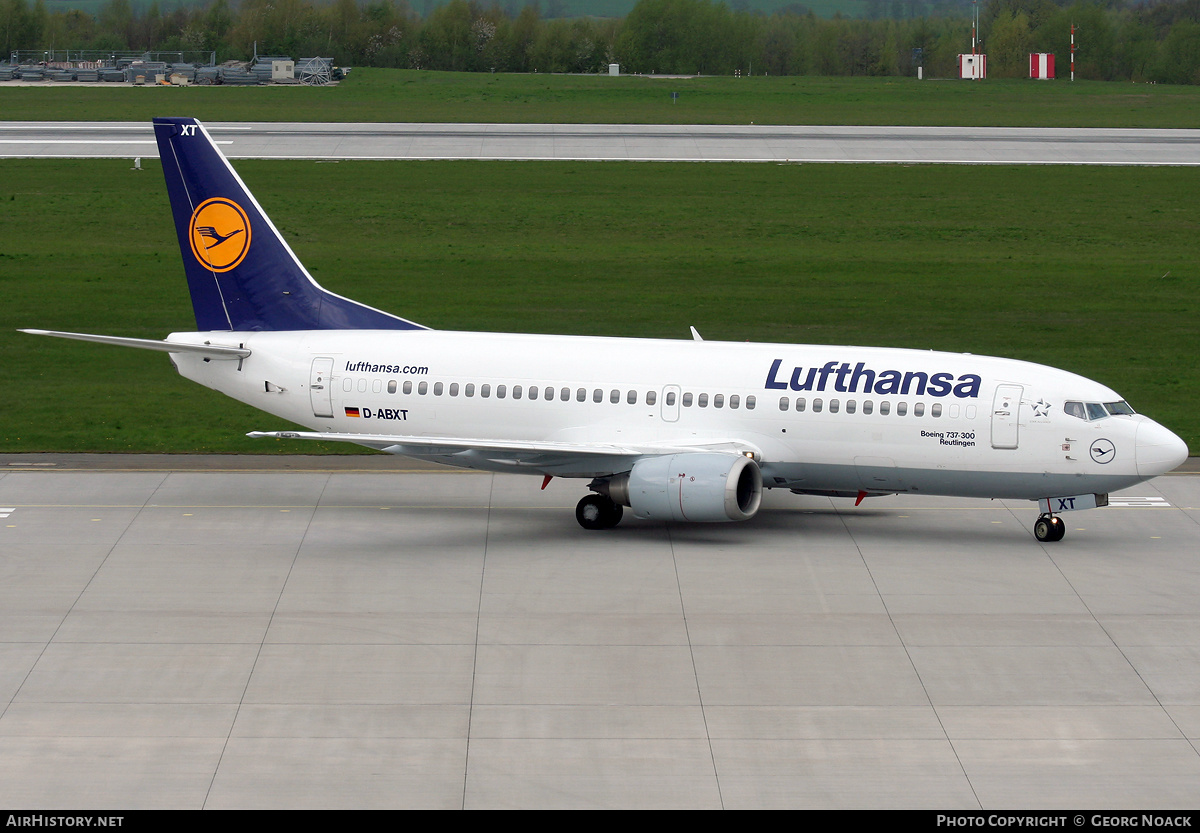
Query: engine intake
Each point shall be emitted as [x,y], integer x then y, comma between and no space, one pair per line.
[697,486]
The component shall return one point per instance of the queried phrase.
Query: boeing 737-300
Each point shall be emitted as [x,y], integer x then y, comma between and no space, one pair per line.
[686,430]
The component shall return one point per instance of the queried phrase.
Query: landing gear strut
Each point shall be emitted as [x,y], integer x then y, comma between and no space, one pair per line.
[598,512]
[1049,528]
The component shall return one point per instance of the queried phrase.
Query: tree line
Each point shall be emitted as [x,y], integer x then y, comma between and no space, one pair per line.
[1154,41]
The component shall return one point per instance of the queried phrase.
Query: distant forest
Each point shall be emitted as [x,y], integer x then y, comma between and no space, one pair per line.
[1155,41]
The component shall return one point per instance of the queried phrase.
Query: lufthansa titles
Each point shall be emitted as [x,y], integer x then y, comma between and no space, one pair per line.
[844,378]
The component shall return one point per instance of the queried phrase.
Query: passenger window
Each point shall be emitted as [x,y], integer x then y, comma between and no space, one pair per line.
[885,408]
[437,388]
[919,409]
[533,392]
[392,386]
[423,388]
[549,393]
[454,388]
[817,406]
[801,403]
[868,407]
[850,406]
[597,395]
[614,397]
[470,391]
[687,400]
[581,395]
[671,397]
[734,401]
[651,397]
[516,391]
[565,394]
[631,397]
[719,400]
[407,388]
[750,403]
[833,406]
[783,403]
[702,400]
[501,390]
[484,391]
[901,408]
[935,410]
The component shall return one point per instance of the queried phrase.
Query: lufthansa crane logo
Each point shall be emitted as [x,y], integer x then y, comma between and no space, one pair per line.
[1103,451]
[219,233]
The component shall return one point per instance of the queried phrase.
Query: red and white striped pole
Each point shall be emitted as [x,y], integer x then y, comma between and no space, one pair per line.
[974,24]
[1072,50]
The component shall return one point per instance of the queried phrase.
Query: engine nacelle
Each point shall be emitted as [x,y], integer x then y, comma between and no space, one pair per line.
[698,486]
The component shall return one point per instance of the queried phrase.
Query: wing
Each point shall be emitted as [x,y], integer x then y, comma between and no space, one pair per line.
[561,459]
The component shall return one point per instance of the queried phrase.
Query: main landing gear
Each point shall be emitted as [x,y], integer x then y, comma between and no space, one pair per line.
[598,512]
[1049,528]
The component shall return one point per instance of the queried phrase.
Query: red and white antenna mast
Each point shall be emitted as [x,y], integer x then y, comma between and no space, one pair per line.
[1072,50]
[975,25]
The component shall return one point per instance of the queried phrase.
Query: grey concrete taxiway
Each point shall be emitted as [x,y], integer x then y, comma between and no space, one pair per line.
[709,143]
[220,632]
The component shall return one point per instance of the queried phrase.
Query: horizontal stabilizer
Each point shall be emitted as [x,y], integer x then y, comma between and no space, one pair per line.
[215,351]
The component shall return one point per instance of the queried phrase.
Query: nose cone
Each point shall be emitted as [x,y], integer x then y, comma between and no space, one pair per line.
[1158,450]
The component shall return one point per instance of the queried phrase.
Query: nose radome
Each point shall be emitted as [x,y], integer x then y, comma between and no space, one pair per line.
[1158,450]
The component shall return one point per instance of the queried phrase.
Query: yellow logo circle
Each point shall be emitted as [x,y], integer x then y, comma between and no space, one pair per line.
[220,234]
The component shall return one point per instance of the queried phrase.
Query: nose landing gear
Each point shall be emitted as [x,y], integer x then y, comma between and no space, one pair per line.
[1048,528]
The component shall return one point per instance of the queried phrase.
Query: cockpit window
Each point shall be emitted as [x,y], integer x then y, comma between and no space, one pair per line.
[1094,410]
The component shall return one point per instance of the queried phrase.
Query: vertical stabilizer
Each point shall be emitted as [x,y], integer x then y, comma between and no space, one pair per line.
[241,273]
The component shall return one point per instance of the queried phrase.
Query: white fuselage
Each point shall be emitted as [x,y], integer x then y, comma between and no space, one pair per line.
[818,418]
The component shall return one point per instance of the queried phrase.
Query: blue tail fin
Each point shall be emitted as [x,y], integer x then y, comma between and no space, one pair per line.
[241,273]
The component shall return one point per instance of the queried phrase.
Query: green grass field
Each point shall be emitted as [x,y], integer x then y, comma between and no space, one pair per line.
[1089,269]
[386,95]
[566,8]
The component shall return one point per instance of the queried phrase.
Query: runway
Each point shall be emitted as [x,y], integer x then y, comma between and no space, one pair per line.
[218,632]
[704,143]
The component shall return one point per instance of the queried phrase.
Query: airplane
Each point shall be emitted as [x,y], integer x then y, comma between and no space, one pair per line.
[676,430]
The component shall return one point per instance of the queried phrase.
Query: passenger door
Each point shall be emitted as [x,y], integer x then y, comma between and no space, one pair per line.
[1006,413]
[320,389]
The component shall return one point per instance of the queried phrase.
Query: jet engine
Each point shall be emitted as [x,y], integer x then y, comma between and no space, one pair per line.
[697,486]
